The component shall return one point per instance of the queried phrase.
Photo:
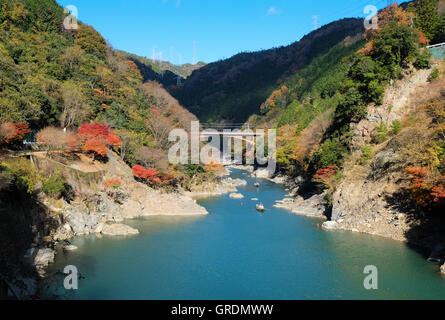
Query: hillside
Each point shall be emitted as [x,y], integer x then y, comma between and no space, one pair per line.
[361,136]
[53,77]
[88,119]
[233,89]
[161,71]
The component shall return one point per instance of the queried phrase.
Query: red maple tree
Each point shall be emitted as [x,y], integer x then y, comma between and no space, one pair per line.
[427,188]
[97,137]
[326,176]
[424,41]
[150,176]
[13,132]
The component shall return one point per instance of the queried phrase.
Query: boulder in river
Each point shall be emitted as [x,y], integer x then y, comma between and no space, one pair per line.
[70,247]
[118,229]
[236,196]
[314,206]
[43,257]
[262,173]
[329,225]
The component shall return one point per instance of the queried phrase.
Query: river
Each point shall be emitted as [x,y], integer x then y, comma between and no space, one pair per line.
[236,252]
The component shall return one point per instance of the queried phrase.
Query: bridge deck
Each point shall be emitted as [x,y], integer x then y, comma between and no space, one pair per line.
[233,134]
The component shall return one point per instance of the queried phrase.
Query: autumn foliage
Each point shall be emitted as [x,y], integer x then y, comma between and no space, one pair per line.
[427,189]
[112,183]
[56,138]
[393,13]
[326,176]
[422,39]
[152,177]
[97,137]
[12,132]
[277,98]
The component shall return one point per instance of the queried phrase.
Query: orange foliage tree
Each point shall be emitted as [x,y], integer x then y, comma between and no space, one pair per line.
[385,17]
[148,175]
[422,39]
[152,177]
[326,176]
[277,98]
[97,137]
[11,132]
[427,189]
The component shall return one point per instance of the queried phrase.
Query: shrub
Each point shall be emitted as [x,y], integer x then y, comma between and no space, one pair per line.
[192,169]
[423,60]
[113,183]
[381,133]
[55,185]
[147,175]
[23,172]
[396,126]
[434,75]
[331,152]
[366,154]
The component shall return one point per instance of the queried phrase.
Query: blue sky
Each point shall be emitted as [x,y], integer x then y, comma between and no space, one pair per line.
[183,31]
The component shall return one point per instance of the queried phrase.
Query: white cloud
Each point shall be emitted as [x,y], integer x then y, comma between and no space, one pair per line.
[272,11]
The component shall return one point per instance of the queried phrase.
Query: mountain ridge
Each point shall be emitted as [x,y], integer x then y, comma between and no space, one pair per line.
[232,89]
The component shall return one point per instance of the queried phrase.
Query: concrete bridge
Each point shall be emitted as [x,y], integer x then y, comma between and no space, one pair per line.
[229,130]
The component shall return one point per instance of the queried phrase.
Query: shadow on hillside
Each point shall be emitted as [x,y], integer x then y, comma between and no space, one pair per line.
[426,234]
[23,221]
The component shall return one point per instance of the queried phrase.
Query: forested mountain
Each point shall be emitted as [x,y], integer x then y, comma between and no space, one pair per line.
[66,84]
[53,76]
[162,71]
[338,112]
[234,88]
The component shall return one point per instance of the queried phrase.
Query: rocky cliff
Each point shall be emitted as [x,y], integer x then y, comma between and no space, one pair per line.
[372,195]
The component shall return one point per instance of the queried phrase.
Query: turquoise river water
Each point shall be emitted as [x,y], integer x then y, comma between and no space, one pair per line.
[236,252]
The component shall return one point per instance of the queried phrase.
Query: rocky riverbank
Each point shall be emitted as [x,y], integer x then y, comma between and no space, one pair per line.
[103,213]
[96,209]
[219,187]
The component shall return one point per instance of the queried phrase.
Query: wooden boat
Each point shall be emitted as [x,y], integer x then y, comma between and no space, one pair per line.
[256,184]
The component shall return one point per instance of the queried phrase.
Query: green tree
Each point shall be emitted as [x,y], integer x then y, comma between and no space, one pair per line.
[350,108]
[394,46]
[427,18]
[91,41]
[44,15]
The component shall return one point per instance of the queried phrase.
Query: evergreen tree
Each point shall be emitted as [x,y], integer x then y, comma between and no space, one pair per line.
[428,18]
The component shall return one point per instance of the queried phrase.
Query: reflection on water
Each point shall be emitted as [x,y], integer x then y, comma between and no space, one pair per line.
[236,252]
